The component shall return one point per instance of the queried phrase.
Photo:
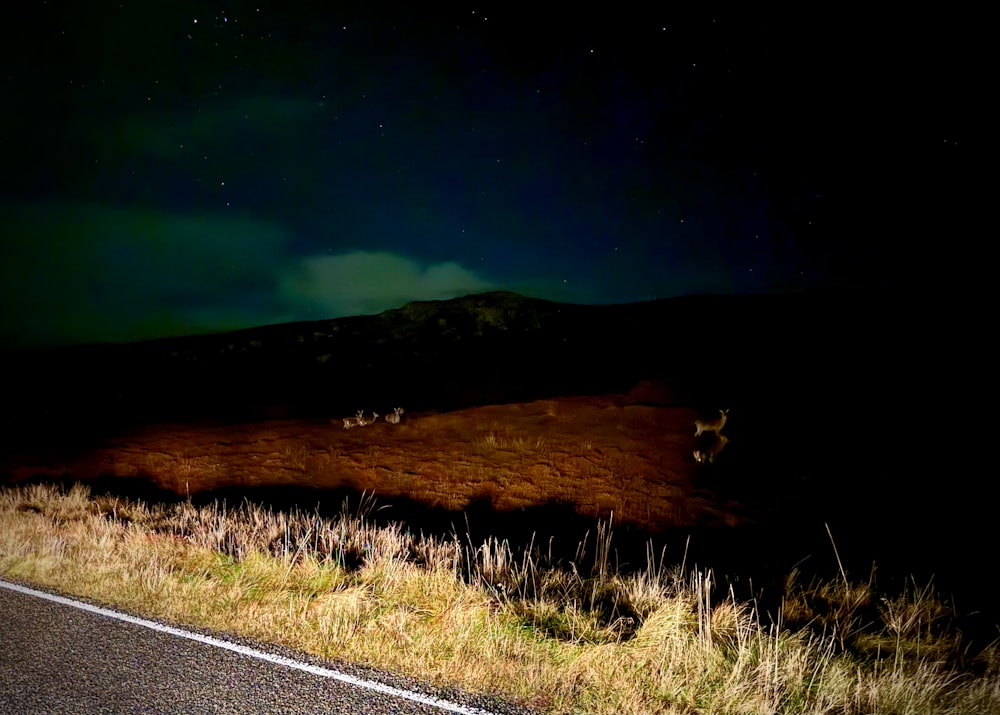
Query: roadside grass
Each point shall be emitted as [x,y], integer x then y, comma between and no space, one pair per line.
[559,637]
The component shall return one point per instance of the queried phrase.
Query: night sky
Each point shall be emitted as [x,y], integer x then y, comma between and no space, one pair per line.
[175,168]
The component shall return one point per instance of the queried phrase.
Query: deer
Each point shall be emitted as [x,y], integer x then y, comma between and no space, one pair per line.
[715,425]
[708,449]
[364,422]
[397,412]
[357,421]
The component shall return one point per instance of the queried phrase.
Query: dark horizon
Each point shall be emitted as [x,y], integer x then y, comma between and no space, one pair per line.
[851,303]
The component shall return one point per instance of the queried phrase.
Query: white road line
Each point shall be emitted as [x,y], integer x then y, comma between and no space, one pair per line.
[252,652]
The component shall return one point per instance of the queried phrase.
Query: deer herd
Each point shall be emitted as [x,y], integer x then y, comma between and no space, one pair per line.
[708,433]
[359,420]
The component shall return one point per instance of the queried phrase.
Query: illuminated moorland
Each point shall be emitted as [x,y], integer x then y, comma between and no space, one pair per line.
[543,466]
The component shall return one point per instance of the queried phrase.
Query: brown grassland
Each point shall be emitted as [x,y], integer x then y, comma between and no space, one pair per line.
[601,454]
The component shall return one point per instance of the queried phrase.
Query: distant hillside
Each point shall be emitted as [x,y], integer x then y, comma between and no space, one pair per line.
[433,355]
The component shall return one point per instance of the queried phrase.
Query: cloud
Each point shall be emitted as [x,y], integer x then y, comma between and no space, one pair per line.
[364,282]
[269,123]
[79,272]
[75,272]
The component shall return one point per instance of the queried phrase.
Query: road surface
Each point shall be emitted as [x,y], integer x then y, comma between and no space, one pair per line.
[59,655]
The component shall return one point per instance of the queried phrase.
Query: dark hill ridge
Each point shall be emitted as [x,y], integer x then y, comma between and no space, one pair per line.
[440,355]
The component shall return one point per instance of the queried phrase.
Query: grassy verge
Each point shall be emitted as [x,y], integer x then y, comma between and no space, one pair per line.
[485,618]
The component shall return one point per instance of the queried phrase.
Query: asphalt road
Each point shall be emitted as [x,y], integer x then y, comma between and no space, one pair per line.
[60,655]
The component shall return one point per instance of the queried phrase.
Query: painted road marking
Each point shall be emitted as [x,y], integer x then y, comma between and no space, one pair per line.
[253,652]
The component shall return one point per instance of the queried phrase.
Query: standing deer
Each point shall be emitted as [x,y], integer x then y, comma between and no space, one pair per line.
[715,425]
[709,447]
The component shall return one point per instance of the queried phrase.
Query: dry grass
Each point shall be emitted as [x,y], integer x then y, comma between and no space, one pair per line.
[505,440]
[591,454]
[559,637]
